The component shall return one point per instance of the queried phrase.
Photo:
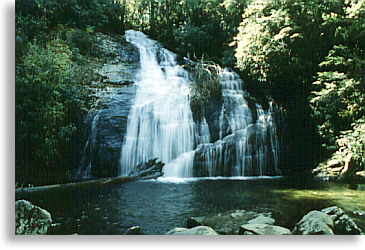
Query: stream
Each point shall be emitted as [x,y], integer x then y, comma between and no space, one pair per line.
[163,204]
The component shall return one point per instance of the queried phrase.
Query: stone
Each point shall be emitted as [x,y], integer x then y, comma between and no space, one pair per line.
[176,230]
[263,229]
[346,226]
[333,211]
[359,212]
[134,231]
[343,224]
[199,230]
[30,219]
[314,223]
[229,223]
[262,219]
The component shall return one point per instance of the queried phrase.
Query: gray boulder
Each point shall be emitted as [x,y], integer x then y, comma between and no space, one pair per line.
[229,223]
[199,230]
[343,224]
[263,229]
[30,219]
[314,223]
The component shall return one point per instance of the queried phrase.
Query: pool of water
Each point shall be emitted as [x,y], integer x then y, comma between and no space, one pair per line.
[160,205]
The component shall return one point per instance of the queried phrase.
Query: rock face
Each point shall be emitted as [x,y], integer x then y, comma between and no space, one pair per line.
[30,219]
[340,166]
[263,229]
[114,95]
[199,230]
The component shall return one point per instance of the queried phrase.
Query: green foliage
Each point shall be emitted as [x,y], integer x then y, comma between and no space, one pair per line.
[200,29]
[263,35]
[353,142]
[48,111]
[338,96]
[306,50]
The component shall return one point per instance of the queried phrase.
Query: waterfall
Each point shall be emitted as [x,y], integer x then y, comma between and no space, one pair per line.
[84,170]
[160,122]
[248,144]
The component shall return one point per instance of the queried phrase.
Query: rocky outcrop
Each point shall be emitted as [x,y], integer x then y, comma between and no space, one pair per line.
[199,230]
[340,166]
[112,96]
[30,219]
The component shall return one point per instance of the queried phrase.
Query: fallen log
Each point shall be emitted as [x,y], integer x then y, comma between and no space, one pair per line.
[144,171]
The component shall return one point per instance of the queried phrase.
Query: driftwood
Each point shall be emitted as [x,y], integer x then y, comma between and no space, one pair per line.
[150,168]
[144,171]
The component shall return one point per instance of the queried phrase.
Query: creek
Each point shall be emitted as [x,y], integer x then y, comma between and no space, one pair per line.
[160,205]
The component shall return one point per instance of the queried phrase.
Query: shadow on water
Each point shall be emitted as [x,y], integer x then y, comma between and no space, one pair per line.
[158,206]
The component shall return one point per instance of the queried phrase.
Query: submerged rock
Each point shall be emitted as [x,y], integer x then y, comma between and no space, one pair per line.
[314,223]
[30,219]
[199,230]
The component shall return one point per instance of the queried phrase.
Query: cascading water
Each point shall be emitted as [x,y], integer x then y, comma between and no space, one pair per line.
[84,170]
[248,144]
[160,123]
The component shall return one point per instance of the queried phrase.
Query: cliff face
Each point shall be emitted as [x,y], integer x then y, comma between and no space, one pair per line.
[111,93]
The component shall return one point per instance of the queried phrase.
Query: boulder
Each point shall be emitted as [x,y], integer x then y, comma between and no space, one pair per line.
[199,230]
[263,229]
[30,219]
[230,222]
[314,223]
[262,219]
[343,224]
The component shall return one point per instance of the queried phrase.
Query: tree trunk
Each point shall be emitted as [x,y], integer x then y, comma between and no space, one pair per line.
[148,170]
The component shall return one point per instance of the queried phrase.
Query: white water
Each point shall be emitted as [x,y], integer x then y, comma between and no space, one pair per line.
[84,170]
[160,123]
[255,143]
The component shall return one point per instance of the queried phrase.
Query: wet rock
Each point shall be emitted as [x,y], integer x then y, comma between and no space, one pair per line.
[30,219]
[229,223]
[134,231]
[314,223]
[359,212]
[199,230]
[343,224]
[263,229]
[262,219]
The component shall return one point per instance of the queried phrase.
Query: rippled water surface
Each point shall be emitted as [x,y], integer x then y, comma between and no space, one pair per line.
[160,205]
